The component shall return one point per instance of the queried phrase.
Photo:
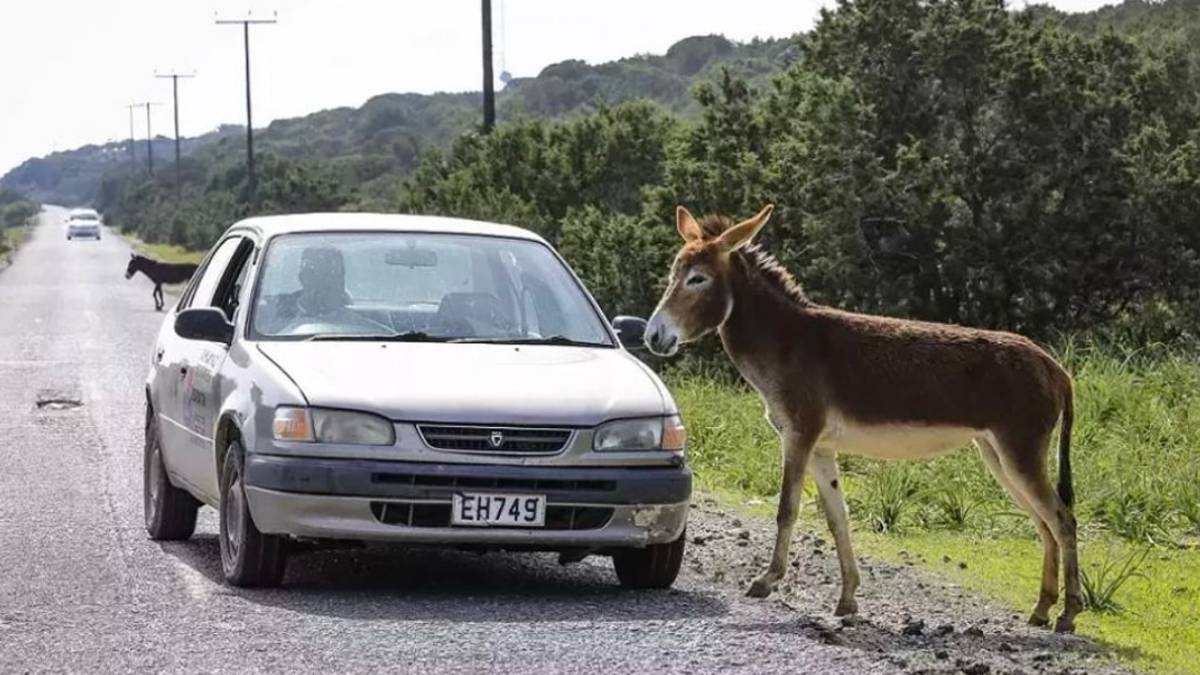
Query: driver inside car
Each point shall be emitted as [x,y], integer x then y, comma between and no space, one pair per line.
[322,277]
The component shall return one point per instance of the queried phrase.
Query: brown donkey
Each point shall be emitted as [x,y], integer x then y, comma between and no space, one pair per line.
[834,381]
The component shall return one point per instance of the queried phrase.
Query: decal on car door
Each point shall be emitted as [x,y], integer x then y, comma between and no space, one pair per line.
[197,388]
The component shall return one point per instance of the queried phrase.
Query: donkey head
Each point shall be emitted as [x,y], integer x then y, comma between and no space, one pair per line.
[698,298]
[133,266]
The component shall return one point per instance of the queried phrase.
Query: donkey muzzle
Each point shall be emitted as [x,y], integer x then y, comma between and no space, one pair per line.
[661,337]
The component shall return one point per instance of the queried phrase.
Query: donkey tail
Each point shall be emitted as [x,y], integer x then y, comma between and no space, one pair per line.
[1065,491]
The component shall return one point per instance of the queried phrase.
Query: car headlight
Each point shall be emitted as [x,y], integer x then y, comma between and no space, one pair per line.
[650,433]
[308,425]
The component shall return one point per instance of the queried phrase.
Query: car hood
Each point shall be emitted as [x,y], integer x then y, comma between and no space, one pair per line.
[473,383]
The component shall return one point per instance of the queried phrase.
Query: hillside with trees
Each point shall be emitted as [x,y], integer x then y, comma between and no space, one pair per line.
[72,176]
[386,135]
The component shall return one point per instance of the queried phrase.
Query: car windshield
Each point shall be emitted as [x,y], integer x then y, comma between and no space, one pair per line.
[85,217]
[420,286]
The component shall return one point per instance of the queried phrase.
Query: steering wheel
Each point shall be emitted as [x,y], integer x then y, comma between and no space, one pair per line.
[485,309]
[339,319]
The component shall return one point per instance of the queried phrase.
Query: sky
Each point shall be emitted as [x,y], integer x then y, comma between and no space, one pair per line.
[69,68]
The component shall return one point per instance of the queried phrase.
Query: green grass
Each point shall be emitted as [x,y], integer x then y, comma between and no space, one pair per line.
[1136,460]
[170,253]
[10,240]
[1157,628]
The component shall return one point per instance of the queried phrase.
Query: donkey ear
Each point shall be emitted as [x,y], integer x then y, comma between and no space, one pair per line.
[741,234]
[688,228]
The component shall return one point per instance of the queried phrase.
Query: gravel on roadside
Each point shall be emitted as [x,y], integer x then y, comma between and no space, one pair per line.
[907,617]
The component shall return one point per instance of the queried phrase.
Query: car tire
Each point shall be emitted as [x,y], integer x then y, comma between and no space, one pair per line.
[170,512]
[249,558]
[655,566]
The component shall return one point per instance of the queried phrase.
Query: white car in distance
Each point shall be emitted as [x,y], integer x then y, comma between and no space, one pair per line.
[83,224]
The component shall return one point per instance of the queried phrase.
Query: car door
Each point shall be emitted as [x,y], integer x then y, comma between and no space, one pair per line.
[185,380]
[210,382]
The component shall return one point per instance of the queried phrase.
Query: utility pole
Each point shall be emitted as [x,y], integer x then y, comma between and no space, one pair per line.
[175,95]
[250,179]
[132,150]
[149,135]
[149,140]
[489,94]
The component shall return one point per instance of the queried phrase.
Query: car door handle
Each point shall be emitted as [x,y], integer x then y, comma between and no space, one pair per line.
[158,356]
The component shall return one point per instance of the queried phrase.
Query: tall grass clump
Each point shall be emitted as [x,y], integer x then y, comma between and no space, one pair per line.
[1102,581]
[886,501]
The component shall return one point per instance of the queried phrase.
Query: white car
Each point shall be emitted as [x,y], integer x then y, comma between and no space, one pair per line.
[83,223]
[412,379]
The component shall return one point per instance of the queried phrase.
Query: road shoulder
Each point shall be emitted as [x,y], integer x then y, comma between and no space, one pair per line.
[908,617]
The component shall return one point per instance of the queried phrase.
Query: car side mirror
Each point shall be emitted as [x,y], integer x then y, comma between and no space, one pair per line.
[630,331]
[204,323]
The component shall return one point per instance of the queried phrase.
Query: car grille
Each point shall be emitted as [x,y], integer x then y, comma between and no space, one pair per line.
[510,440]
[422,514]
[531,484]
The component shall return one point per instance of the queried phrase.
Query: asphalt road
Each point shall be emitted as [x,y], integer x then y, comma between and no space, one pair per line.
[82,588]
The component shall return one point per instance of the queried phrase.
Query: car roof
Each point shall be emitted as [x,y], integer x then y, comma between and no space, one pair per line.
[83,212]
[273,226]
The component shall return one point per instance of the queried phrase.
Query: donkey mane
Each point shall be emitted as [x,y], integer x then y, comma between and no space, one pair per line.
[760,265]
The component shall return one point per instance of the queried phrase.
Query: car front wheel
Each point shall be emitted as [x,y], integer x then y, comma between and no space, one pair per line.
[249,558]
[655,566]
[170,512]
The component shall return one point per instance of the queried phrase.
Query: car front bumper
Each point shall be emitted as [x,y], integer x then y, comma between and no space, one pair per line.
[410,501]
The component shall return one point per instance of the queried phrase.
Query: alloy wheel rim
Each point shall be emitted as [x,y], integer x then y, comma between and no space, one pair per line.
[153,487]
[235,513]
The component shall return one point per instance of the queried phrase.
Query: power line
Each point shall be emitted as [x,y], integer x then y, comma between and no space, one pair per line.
[250,180]
[175,95]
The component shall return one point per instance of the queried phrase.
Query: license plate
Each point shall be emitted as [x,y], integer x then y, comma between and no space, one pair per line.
[488,510]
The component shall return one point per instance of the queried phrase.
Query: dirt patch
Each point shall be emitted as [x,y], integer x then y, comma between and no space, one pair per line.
[909,619]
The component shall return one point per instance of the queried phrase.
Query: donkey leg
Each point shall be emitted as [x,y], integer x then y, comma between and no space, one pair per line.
[796,449]
[1048,594]
[1027,470]
[825,473]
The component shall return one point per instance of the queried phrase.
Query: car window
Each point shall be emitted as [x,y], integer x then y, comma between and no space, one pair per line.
[230,289]
[445,286]
[206,285]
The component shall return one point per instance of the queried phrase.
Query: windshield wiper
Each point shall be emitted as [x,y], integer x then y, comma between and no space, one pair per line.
[408,336]
[551,340]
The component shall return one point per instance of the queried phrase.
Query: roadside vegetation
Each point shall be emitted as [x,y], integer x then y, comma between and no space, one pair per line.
[169,253]
[16,214]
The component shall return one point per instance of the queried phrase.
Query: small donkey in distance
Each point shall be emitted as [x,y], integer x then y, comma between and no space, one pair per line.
[834,381]
[160,273]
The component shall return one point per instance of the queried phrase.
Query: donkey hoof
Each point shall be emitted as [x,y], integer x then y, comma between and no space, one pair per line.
[761,587]
[1039,620]
[1065,624]
[846,607]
